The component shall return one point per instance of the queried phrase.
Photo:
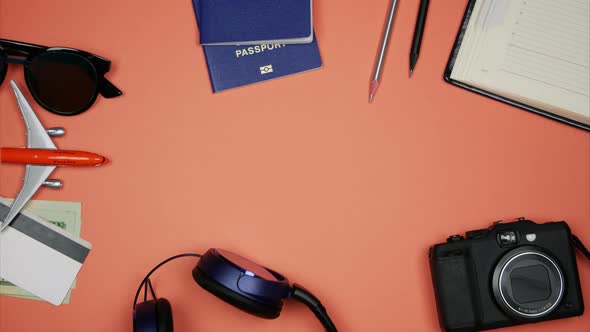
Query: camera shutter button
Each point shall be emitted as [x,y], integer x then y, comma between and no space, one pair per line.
[455,238]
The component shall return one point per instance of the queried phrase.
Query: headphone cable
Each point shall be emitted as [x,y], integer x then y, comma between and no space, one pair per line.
[306,297]
[146,278]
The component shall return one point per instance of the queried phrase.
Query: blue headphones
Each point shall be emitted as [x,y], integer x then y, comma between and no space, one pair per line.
[236,280]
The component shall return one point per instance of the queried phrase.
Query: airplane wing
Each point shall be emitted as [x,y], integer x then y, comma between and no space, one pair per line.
[34,178]
[37,137]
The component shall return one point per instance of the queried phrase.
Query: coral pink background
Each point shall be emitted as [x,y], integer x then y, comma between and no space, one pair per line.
[301,173]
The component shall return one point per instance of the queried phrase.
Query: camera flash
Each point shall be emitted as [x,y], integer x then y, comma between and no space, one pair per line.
[507,238]
[531,237]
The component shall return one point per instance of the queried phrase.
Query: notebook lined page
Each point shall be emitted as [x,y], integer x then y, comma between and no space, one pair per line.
[536,52]
[550,43]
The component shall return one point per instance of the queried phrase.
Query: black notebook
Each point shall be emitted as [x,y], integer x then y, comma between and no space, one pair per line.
[534,54]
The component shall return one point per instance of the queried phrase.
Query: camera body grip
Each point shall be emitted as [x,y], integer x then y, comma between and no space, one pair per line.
[454,289]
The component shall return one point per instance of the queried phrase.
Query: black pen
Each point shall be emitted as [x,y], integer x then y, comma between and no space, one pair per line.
[418,31]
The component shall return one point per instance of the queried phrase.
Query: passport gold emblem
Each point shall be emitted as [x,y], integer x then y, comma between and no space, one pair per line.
[266,69]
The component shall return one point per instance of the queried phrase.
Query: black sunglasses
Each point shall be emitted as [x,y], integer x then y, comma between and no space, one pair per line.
[62,80]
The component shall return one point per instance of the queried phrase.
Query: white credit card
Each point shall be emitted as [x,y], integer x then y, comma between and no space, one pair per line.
[40,257]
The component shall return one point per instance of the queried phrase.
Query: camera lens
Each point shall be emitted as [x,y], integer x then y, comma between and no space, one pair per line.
[527,283]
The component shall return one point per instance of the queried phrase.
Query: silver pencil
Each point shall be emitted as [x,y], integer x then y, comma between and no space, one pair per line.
[384,42]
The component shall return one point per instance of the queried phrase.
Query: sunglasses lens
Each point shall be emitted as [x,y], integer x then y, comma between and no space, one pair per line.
[64,83]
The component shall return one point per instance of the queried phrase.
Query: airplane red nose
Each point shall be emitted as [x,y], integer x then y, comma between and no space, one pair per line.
[99,160]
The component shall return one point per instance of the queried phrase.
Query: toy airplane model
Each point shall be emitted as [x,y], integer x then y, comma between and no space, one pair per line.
[41,157]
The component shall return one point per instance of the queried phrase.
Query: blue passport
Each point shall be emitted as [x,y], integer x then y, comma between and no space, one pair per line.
[235,66]
[251,22]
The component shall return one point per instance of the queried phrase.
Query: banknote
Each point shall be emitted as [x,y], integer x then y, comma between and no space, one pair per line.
[65,215]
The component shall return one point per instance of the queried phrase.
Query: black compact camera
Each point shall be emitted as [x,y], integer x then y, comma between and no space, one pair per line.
[512,273]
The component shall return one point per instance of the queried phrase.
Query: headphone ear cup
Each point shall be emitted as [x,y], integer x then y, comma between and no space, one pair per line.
[164,316]
[237,300]
[145,317]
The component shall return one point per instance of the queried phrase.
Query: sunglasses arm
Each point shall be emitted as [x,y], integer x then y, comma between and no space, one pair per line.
[20,49]
[14,60]
[108,89]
